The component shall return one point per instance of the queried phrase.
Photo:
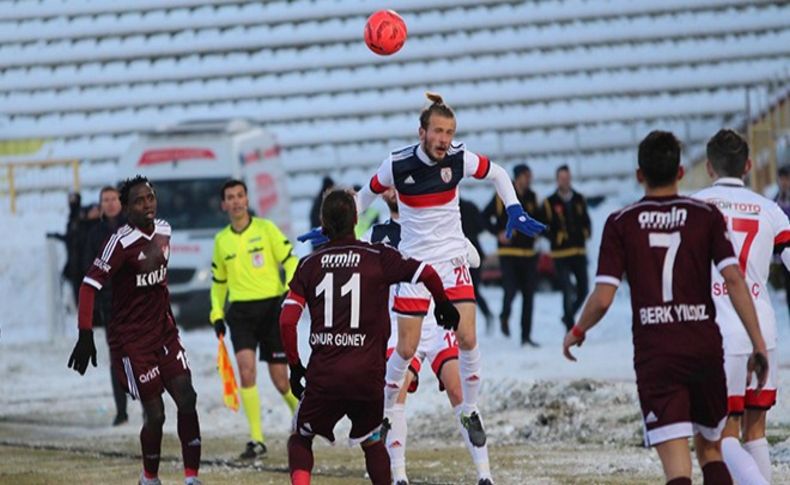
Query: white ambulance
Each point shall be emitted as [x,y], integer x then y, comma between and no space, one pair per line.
[187,163]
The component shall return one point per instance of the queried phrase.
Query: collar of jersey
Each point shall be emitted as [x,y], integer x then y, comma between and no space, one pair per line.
[424,158]
[342,241]
[731,181]
[238,233]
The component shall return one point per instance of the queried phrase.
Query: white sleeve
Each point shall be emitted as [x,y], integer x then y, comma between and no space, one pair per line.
[381,181]
[786,258]
[781,225]
[480,167]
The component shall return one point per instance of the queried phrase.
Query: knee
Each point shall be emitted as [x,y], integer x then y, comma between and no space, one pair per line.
[406,349]
[154,419]
[187,401]
[466,340]
[247,375]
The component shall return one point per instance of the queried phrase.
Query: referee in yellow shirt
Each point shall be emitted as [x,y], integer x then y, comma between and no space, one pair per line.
[248,256]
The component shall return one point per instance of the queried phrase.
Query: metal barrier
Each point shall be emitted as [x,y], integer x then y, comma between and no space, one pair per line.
[12,169]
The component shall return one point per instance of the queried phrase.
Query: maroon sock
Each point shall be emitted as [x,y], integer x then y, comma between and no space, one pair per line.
[151,443]
[680,481]
[189,434]
[300,454]
[377,462]
[716,473]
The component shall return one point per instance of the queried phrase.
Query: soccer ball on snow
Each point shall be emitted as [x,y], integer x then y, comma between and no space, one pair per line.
[385,32]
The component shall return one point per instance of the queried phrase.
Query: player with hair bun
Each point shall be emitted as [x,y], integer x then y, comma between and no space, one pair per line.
[426,176]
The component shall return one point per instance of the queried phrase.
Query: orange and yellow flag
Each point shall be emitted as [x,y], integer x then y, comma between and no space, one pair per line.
[229,387]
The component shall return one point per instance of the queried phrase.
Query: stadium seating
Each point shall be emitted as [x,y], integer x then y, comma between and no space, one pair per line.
[560,81]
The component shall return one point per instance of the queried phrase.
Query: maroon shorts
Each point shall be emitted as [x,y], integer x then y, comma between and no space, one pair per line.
[681,397]
[143,374]
[318,415]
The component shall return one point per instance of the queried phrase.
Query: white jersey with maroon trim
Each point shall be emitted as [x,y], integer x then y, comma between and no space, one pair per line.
[428,198]
[755,225]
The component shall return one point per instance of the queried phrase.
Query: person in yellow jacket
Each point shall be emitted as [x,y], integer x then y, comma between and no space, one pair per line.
[249,255]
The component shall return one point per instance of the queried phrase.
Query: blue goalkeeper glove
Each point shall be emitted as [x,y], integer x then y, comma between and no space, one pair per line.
[315,236]
[518,220]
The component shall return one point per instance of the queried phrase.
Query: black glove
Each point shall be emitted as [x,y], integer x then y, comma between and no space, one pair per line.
[219,327]
[84,350]
[297,374]
[446,315]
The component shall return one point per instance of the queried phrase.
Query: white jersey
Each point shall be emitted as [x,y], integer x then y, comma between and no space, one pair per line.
[755,226]
[430,217]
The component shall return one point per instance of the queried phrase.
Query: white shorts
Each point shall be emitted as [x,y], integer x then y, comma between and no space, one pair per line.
[739,396]
[437,347]
[414,299]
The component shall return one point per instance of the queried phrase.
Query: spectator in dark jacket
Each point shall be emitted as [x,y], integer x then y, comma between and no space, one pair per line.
[110,220]
[72,272]
[472,225]
[518,260]
[783,200]
[565,214]
[315,211]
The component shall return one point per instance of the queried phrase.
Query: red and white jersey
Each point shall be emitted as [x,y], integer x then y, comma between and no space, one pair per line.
[755,225]
[428,198]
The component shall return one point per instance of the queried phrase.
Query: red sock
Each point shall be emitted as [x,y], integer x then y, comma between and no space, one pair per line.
[716,473]
[300,459]
[189,434]
[151,444]
[377,462]
[680,481]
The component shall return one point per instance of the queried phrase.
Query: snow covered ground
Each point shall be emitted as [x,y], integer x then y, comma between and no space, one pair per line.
[531,397]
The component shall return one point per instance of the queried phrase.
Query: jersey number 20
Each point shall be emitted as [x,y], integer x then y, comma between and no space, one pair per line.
[327,287]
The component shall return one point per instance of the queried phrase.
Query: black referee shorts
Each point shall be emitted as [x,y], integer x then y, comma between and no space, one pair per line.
[256,324]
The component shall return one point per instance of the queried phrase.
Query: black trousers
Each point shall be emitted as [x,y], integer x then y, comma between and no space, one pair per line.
[519,275]
[573,291]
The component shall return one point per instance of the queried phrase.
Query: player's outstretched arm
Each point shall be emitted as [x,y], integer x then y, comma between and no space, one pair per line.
[744,306]
[517,218]
[594,309]
[85,349]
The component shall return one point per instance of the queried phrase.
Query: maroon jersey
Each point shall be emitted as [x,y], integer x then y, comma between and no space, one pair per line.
[665,246]
[346,287]
[136,263]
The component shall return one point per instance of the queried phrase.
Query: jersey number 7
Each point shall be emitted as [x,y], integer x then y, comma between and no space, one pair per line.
[327,287]
[750,227]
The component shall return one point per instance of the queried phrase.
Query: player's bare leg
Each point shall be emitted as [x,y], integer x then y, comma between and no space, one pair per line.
[451,379]
[742,465]
[377,461]
[754,440]
[251,401]
[181,390]
[409,331]
[300,459]
[151,439]
[279,375]
[676,461]
[469,364]
[714,471]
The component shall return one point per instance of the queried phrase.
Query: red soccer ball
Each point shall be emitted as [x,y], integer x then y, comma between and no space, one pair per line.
[385,32]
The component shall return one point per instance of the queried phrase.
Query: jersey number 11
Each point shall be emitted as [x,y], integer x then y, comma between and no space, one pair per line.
[327,287]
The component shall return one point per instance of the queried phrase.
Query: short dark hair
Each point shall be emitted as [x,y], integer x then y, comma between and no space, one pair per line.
[338,214]
[728,153]
[659,158]
[437,107]
[562,168]
[784,171]
[107,188]
[126,187]
[231,183]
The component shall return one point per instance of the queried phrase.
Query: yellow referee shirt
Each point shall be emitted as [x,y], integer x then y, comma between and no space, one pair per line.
[246,265]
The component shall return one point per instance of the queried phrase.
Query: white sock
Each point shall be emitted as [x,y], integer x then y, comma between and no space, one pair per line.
[469,364]
[396,441]
[759,451]
[396,374]
[479,455]
[740,463]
